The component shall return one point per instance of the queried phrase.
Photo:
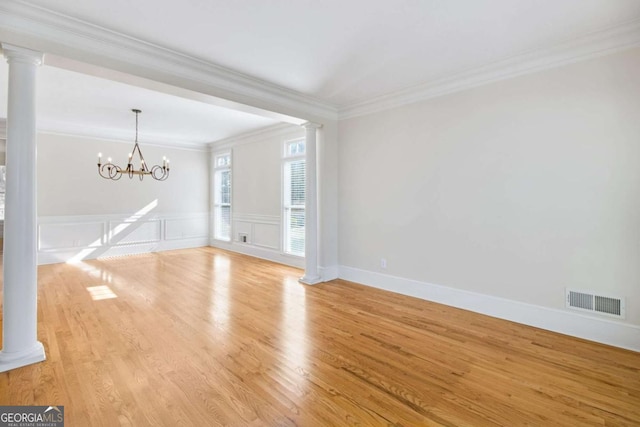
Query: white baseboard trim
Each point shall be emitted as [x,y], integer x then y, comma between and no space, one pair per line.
[82,254]
[258,252]
[604,331]
[326,273]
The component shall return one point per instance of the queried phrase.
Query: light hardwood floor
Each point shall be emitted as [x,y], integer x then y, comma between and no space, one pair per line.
[204,337]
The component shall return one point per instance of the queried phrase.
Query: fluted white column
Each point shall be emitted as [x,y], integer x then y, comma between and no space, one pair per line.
[311,276]
[20,344]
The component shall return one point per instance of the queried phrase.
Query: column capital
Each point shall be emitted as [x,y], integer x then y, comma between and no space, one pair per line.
[21,54]
[311,125]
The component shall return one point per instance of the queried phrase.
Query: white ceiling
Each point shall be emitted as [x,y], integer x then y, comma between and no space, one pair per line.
[340,52]
[81,104]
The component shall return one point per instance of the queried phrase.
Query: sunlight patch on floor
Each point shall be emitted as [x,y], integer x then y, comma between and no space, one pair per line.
[101,292]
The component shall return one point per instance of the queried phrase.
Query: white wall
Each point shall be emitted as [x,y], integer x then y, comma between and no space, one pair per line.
[516,190]
[81,213]
[257,176]
[257,192]
[69,184]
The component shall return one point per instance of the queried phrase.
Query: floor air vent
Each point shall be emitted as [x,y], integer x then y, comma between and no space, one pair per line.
[600,304]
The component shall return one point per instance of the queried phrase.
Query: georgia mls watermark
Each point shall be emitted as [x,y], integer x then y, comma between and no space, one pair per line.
[31,416]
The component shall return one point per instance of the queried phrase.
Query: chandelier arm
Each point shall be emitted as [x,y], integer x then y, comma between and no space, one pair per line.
[117,172]
[159,173]
[110,171]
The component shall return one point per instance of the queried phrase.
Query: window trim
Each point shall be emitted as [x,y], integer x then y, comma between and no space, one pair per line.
[285,205]
[287,143]
[228,166]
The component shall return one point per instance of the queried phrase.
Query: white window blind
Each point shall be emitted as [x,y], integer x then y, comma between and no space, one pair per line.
[294,197]
[2,188]
[222,197]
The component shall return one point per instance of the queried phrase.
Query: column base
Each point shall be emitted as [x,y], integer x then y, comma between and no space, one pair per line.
[310,280]
[9,361]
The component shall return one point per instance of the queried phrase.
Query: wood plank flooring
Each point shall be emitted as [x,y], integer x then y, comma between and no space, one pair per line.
[204,337]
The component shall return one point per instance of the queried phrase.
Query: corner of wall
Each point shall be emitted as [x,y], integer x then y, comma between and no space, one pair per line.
[329,273]
[258,252]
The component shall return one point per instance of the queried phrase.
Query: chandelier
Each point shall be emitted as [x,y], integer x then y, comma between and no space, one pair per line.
[115,172]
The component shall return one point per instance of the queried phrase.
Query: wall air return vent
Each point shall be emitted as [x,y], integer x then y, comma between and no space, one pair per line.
[591,302]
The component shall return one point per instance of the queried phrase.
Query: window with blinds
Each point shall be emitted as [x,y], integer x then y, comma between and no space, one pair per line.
[222,197]
[2,187]
[294,197]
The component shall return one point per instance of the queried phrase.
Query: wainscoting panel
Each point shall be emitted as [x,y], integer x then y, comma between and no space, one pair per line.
[260,230]
[266,235]
[262,233]
[242,228]
[132,231]
[76,238]
[71,235]
[183,228]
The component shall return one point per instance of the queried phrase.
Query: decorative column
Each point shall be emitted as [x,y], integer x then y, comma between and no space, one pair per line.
[311,276]
[20,344]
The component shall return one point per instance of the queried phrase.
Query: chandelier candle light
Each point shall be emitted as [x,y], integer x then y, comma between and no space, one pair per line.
[114,172]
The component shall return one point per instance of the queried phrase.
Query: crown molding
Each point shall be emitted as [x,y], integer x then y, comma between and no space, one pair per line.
[279,130]
[51,127]
[114,135]
[41,29]
[592,45]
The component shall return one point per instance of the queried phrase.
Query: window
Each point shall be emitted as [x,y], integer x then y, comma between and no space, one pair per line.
[295,148]
[294,197]
[2,187]
[222,197]
[223,160]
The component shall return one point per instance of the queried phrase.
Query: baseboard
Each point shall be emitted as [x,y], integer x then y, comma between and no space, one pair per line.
[81,254]
[258,252]
[604,331]
[326,273]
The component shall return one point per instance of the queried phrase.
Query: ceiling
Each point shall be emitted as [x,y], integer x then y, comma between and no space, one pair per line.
[339,52]
[81,104]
